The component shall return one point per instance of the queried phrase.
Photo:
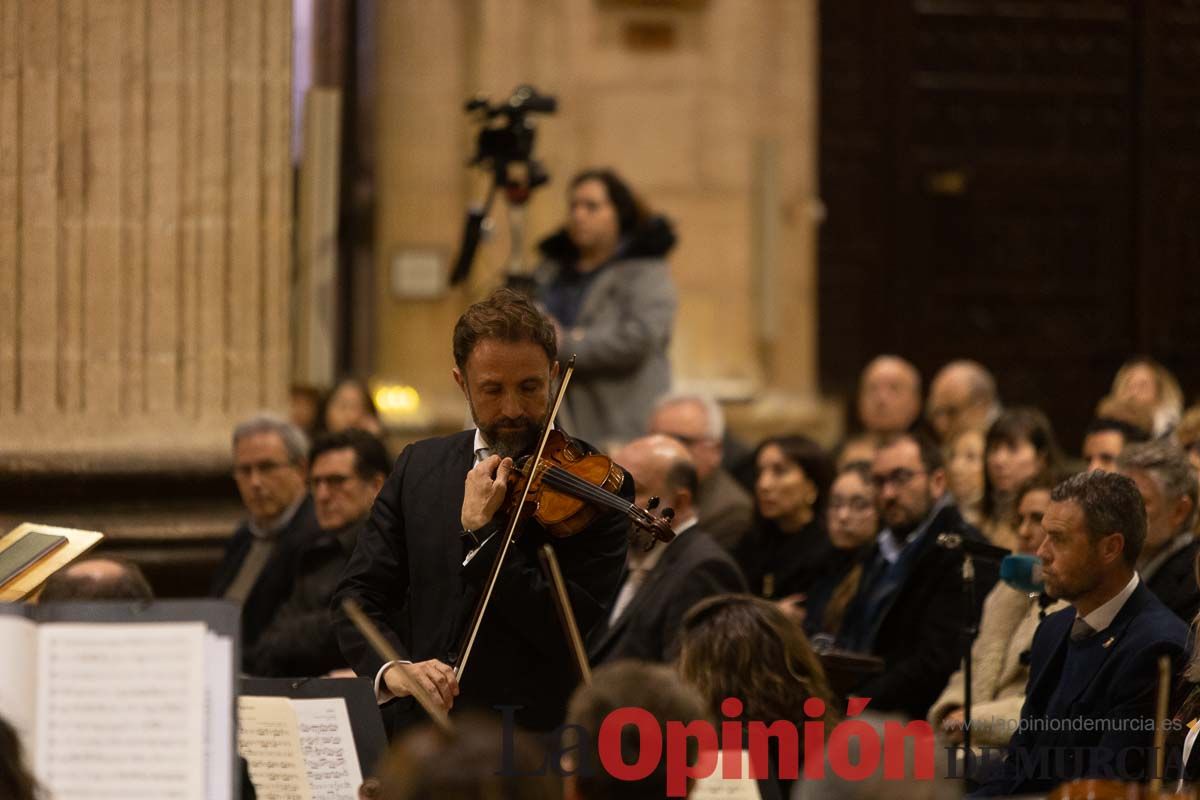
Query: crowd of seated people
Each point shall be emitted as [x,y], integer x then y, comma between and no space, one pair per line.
[838,551]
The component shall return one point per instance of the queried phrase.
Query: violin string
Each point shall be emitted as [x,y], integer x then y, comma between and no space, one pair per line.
[560,478]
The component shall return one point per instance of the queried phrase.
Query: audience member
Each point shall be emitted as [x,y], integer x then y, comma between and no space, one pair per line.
[16,780]
[662,583]
[724,507]
[98,578]
[1093,667]
[909,609]
[270,469]
[852,523]
[605,284]
[1188,434]
[964,449]
[347,471]
[426,764]
[781,554]
[1105,438]
[654,688]
[1136,416]
[1146,384]
[1167,483]
[350,405]
[962,395]
[744,647]
[857,449]
[999,655]
[304,409]
[1019,445]
[889,396]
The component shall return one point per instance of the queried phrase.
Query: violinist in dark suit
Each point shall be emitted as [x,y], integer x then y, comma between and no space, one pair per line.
[1089,710]
[444,500]
[662,583]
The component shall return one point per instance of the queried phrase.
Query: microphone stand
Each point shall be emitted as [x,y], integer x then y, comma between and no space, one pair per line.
[969,631]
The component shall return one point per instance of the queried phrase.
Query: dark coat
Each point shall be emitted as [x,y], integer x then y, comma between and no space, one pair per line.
[726,510]
[1122,672]
[275,582]
[1174,582]
[920,635]
[300,641]
[778,564]
[692,568]
[407,574]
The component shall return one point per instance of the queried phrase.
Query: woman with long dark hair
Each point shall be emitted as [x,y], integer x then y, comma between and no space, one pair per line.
[1019,445]
[604,282]
[783,552]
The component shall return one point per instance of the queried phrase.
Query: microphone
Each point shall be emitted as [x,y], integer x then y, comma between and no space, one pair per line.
[981,550]
[1022,572]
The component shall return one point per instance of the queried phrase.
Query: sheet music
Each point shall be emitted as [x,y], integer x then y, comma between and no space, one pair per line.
[18,677]
[716,787]
[218,706]
[327,742]
[121,711]
[269,740]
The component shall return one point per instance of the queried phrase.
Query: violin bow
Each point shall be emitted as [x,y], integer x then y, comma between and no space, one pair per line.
[566,614]
[511,529]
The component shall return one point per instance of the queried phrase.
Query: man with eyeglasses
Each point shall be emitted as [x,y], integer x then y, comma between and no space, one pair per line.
[347,470]
[696,421]
[910,609]
[270,469]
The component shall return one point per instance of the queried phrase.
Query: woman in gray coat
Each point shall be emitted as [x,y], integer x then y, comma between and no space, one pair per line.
[605,283]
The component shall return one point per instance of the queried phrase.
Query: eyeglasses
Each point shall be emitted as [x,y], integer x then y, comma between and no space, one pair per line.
[859,505]
[261,467]
[897,477]
[690,441]
[334,482]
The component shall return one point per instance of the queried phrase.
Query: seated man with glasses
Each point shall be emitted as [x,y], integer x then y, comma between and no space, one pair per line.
[270,469]
[347,470]
[910,608]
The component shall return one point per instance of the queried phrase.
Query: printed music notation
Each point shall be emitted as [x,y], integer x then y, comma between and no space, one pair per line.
[299,749]
[329,752]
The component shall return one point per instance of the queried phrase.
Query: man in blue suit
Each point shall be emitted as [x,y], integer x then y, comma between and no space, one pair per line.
[1089,708]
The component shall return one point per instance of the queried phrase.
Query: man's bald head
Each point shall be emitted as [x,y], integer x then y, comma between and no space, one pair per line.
[962,395]
[661,467]
[889,395]
[97,579]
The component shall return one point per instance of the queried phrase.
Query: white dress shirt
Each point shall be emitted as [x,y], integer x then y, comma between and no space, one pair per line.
[1103,616]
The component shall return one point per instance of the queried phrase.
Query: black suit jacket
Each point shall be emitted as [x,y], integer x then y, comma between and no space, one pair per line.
[1175,582]
[1120,687]
[407,574]
[300,641]
[692,568]
[920,637]
[274,584]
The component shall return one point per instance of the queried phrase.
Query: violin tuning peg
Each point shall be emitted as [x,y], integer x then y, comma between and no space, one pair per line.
[668,513]
[652,503]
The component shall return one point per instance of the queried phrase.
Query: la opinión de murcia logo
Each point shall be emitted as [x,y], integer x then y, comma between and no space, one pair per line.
[569,751]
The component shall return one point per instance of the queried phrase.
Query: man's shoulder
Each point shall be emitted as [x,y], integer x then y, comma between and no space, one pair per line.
[1153,623]
[440,446]
[721,487]
[696,546]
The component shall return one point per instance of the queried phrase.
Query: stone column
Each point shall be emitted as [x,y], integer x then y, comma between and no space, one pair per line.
[145,217]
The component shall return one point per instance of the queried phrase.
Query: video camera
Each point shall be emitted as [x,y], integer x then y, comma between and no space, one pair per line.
[506,139]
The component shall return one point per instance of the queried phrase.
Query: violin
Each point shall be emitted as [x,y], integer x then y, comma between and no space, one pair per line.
[569,488]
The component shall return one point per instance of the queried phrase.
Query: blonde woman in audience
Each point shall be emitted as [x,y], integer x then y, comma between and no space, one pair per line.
[1188,434]
[1010,616]
[852,522]
[964,471]
[1145,383]
[740,646]
[1019,445]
